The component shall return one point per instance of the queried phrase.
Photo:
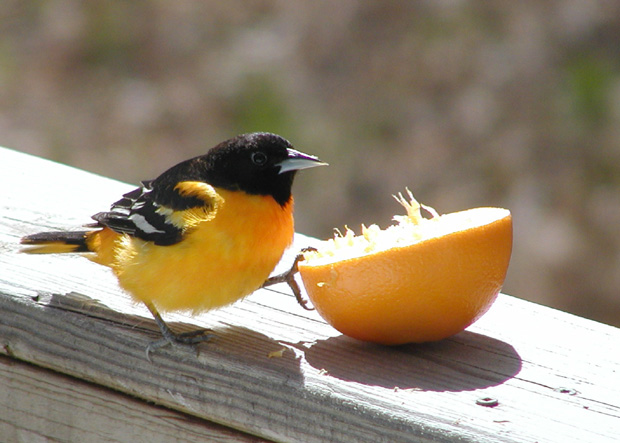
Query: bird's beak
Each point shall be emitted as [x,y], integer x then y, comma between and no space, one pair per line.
[298,160]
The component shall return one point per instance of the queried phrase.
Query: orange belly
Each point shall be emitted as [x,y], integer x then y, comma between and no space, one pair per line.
[217,263]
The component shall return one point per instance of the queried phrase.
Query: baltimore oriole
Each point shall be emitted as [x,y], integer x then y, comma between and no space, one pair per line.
[205,233]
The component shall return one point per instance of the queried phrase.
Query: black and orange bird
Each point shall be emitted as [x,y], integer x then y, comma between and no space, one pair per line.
[204,234]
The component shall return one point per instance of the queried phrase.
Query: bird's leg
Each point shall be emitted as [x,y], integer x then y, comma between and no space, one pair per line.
[170,338]
[288,277]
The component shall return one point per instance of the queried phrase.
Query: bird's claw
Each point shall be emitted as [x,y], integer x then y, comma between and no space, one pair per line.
[288,277]
[185,340]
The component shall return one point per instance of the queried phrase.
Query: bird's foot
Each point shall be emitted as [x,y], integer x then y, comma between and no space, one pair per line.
[185,340]
[288,277]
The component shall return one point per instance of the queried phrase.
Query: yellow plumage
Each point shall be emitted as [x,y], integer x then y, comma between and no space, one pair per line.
[222,258]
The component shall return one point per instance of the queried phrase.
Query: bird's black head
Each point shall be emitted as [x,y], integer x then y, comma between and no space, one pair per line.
[258,163]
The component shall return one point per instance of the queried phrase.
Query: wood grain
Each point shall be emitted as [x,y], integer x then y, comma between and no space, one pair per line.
[556,376]
[42,405]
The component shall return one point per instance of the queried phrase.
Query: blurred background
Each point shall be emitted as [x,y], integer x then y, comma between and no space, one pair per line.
[467,103]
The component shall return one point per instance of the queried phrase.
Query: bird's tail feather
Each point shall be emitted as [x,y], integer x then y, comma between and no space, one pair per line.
[56,242]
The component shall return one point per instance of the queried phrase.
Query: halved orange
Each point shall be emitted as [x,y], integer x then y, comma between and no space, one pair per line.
[423,279]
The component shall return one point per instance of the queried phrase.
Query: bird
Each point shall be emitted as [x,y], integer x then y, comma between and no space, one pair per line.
[205,233]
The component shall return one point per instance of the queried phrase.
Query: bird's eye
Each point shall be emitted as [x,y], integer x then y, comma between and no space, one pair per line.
[259,158]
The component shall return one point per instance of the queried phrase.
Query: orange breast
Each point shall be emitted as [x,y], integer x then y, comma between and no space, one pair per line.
[217,263]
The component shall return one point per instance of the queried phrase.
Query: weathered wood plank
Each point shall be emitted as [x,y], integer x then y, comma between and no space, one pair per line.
[68,314]
[42,405]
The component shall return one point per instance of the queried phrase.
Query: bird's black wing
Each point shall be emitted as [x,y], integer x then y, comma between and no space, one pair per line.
[146,212]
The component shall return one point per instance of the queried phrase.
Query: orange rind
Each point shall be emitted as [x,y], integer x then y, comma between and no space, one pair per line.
[422,279]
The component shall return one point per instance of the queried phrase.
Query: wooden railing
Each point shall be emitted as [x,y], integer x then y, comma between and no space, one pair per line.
[74,365]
